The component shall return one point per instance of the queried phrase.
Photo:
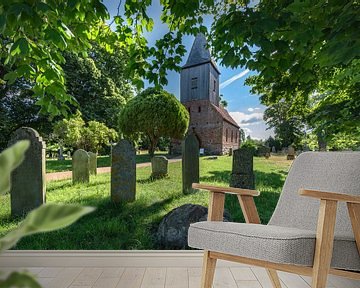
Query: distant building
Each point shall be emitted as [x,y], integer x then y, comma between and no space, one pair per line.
[215,129]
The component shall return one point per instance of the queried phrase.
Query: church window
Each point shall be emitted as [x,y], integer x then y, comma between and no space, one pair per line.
[199,109]
[232,136]
[194,82]
[226,135]
[214,88]
[236,137]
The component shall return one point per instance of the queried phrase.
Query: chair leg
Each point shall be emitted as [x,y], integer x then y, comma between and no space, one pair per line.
[274,278]
[324,243]
[208,271]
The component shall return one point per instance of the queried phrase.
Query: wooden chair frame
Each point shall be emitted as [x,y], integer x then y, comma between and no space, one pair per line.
[324,235]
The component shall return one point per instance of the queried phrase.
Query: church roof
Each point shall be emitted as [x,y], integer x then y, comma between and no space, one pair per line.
[225,115]
[199,54]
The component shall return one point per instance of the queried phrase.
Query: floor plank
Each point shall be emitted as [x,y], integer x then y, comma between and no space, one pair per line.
[132,278]
[177,278]
[224,278]
[154,278]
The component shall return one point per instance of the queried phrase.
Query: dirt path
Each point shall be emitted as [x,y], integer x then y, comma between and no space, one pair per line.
[101,170]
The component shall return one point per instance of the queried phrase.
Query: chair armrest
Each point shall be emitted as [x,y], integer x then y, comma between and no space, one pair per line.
[227,190]
[324,195]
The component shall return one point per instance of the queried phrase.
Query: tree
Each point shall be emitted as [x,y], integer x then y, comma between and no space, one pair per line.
[98,83]
[156,113]
[75,134]
[289,129]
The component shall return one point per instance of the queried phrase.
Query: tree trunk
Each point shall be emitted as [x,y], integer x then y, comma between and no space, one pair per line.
[153,142]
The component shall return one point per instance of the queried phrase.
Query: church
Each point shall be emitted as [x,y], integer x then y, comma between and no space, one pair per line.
[212,124]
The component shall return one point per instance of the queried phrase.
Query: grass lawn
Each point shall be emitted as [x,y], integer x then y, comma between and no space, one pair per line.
[54,165]
[131,226]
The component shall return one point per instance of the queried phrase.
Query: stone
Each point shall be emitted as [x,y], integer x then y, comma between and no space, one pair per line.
[80,167]
[190,162]
[202,151]
[173,229]
[28,183]
[267,155]
[242,175]
[123,172]
[230,151]
[273,149]
[159,167]
[93,163]
[290,153]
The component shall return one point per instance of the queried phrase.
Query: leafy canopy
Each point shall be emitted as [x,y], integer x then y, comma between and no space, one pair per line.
[156,113]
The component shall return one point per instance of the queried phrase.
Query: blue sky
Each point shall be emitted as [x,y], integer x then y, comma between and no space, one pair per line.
[243,106]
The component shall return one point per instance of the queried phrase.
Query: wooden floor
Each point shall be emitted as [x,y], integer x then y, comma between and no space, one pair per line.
[156,270]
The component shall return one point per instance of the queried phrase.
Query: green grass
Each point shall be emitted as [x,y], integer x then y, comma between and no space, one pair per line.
[54,165]
[131,226]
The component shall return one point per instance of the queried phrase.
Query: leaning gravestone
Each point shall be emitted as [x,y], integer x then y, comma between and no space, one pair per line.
[28,187]
[159,167]
[190,162]
[242,175]
[80,167]
[123,172]
[93,163]
[290,153]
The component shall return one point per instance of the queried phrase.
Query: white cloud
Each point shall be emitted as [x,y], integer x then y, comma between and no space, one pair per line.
[234,78]
[253,109]
[244,119]
[252,124]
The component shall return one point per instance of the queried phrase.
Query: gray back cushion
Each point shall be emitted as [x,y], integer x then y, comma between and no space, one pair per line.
[325,171]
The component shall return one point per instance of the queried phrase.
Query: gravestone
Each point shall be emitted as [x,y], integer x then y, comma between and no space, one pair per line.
[290,153]
[28,185]
[80,167]
[230,151]
[173,229]
[123,172]
[242,175]
[93,163]
[190,162]
[273,149]
[159,166]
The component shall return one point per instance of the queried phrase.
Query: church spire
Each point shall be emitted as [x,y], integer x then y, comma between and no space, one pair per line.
[199,54]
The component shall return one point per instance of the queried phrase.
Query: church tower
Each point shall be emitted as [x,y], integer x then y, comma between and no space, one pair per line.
[215,129]
[199,78]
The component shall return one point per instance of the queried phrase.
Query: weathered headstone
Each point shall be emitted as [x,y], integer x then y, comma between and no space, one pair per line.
[230,151]
[123,172]
[28,185]
[159,166]
[173,229]
[273,149]
[242,175]
[80,167]
[93,163]
[190,162]
[290,153]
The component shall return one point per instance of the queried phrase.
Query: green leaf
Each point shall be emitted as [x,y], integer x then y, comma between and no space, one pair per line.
[17,279]
[9,160]
[46,218]
[21,46]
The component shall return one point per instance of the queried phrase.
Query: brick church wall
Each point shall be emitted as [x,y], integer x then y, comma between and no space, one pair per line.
[230,138]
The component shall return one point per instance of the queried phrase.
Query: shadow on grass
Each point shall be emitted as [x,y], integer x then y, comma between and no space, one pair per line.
[269,184]
[111,226]
[217,176]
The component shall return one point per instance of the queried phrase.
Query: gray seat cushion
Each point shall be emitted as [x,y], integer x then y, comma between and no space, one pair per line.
[270,243]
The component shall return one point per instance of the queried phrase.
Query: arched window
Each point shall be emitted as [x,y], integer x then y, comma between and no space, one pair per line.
[226,135]
[232,136]
[236,137]
[199,109]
